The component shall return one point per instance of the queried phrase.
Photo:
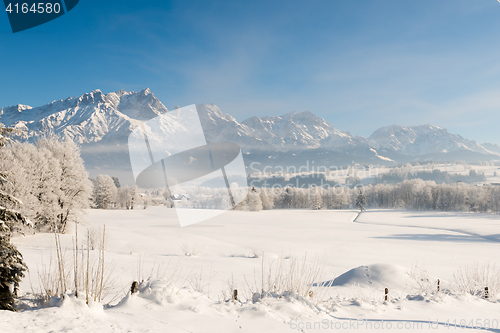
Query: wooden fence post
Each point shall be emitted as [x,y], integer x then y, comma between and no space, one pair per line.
[133,288]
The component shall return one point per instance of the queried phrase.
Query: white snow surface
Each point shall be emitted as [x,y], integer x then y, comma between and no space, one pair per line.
[376,275]
[404,251]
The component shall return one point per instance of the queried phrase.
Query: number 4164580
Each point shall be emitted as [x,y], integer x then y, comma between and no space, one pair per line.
[36,8]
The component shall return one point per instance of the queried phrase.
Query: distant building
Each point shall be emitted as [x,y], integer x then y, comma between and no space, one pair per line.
[178,197]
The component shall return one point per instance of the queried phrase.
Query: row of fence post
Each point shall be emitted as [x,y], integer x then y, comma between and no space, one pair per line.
[135,284]
[486,291]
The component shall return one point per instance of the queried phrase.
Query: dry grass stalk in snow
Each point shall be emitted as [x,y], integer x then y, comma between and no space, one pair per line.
[474,278]
[284,275]
[191,250]
[90,276]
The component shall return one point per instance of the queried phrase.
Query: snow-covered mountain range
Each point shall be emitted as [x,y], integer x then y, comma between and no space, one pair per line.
[293,132]
[90,118]
[101,123]
[422,140]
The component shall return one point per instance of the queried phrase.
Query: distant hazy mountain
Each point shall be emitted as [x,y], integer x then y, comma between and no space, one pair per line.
[422,140]
[101,123]
[304,130]
[492,147]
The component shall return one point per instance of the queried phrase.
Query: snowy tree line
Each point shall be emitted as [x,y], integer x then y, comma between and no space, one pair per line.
[399,174]
[415,194]
[108,194]
[418,194]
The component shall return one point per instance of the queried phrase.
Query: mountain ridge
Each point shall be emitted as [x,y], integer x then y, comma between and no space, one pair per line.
[101,123]
[422,139]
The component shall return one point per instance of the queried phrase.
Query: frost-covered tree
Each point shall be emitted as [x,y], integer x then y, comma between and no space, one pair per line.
[316,199]
[134,197]
[12,267]
[168,198]
[34,178]
[267,201]
[104,192]
[284,197]
[75,186]
[301,198]
[254,200]
[122,198]
[243,205]
[5,132]
[127,197]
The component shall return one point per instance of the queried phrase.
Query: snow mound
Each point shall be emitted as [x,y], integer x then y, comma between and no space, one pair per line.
[376,276]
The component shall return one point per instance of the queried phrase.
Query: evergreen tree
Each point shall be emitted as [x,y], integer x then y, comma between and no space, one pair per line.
[361,201]
[12,267]
[117,182]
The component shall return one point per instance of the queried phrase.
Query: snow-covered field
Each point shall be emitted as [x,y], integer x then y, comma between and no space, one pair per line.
[404,251]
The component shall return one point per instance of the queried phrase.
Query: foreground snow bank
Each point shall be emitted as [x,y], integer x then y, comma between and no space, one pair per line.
[230,247]
[159,306]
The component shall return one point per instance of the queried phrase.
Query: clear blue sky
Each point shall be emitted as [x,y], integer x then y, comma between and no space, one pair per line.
[360,64]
